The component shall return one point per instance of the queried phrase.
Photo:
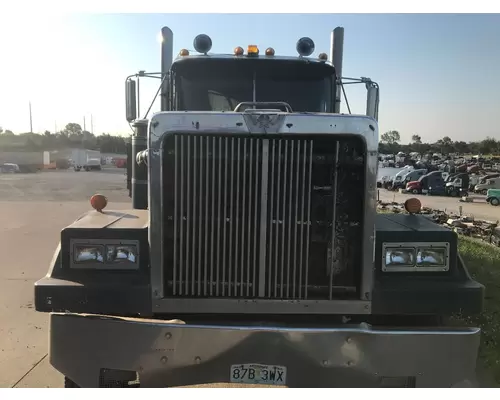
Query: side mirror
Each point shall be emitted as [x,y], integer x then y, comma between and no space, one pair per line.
[372,100]
[130,100]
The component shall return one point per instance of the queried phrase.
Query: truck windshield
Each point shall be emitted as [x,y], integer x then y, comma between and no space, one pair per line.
[221,84]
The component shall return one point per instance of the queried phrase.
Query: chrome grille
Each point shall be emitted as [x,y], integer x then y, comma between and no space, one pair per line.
[241,220]
[289,218]
[216,216]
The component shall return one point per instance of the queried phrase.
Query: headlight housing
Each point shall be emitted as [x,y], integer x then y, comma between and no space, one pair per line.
[104,254]
[415,257]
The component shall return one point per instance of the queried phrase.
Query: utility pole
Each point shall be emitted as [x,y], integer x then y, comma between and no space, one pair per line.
[91,124]
[31,120]
[84,128]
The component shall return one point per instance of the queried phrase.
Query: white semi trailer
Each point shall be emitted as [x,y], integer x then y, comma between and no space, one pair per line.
[88,160]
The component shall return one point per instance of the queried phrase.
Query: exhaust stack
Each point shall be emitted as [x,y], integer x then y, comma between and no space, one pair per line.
[337,55]
[167,58]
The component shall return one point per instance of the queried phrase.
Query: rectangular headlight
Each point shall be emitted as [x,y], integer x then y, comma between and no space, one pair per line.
[432,256]
[104,254]
[399,256]
[415,257]
[84,254]
[121,254]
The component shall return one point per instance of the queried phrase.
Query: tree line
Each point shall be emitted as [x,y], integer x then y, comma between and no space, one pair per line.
[72,136]
[390,143]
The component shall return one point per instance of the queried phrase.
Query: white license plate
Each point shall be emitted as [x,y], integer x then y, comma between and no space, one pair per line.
[258,374]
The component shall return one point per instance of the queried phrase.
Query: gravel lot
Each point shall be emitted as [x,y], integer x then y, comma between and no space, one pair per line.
[33,210]
[66,185]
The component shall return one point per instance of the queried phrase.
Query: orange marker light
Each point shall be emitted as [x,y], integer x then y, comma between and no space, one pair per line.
[238,51]
[184,52]
[269,51]
[253,50]
[413,205]
[98,202]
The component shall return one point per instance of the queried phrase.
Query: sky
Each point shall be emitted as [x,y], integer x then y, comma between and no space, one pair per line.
[438,73]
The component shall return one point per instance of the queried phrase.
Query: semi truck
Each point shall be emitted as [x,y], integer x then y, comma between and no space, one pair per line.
[252,252]
[88,160]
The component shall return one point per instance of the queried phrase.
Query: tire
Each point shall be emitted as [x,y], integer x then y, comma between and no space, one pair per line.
[453,193]
[68,383]
[484,192]
[415,191]
[494,201]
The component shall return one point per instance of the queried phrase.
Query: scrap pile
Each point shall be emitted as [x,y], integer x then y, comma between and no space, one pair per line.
[463,225]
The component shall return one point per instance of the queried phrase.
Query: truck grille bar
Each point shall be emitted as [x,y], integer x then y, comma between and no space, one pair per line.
[216,216]
[289,218]
[239,218]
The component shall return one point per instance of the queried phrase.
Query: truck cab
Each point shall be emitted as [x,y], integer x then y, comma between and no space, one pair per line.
[487,183]
[253,252]
[432,179]
[493,197]
[414,175]
[458,185]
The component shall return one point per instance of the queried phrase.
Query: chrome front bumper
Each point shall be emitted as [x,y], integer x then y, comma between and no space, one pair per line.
[171,353]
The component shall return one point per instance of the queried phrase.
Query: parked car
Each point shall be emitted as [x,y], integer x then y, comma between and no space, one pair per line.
[473,169]
[493,197]
[9,168]
[122,163]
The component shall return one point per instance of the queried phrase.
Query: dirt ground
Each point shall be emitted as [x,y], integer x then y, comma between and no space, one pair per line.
[33,210]
[64,186]
[478,208]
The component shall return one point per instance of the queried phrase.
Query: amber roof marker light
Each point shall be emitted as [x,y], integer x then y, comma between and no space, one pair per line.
[269,51]
[238,51]
[98,202]
[253,50]
[413,205]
